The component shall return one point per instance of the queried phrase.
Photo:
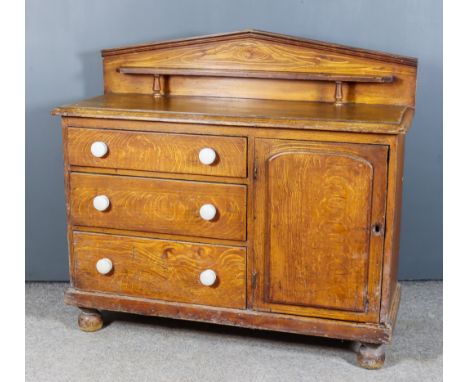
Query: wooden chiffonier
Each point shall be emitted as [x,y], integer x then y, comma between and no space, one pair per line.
[248,179]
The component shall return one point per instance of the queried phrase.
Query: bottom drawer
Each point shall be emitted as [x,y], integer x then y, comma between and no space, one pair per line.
[160,269]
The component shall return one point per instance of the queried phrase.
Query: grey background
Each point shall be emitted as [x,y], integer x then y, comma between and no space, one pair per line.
[63,64]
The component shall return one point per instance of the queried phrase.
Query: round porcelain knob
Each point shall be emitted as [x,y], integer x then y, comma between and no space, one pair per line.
[104,266]
[208,212]
[207,156]
[208,277]
[99,149]
[101,202]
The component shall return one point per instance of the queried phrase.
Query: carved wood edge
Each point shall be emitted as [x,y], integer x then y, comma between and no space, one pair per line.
[176,117]
[406,119]
[348,330]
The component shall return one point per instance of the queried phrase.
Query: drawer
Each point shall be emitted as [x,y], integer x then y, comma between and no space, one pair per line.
[158,205]
[160,269]
[173,153]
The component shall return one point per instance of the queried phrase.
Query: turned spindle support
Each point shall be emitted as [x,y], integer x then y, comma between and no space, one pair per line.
[339,93]
[159,85]
[160,75]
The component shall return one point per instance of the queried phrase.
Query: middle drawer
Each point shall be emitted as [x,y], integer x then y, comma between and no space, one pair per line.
[211,210]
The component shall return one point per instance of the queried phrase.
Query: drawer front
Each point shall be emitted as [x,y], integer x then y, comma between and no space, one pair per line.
[159,269]
[174,153]
[158,205]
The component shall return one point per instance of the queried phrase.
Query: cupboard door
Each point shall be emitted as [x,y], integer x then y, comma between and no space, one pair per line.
[319,228]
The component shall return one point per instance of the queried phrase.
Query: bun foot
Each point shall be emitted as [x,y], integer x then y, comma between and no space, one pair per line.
[90,320]
[371,356]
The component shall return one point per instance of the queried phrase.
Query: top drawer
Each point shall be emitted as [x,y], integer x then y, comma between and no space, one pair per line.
[161,152]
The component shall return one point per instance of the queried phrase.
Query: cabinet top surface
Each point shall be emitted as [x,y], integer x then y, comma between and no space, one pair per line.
[386,119]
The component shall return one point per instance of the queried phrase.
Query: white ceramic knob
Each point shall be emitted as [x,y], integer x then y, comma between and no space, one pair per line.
[207,212]
[104,266]
[207,156]
[99,149]
[208,277]
[101,202]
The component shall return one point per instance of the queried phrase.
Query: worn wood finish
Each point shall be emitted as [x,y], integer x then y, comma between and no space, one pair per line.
[307,184]
[159,205]
[392,244]
[319,228]
[172,153]
[365,332]
[90,320]
[371,356]
[371,333]
[322,134]
[391,320]
[384,119]
[157,235]
[161,269]
[162,175]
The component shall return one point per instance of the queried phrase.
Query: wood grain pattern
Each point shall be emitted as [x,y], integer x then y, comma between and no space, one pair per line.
[159,205]
[392,238]
[306,136]
[322,134]
[157,174]
[328,195]
[301,184]
[159,269]
[161,76]
[158,71]
[253,52]
[382,119]
[162,236]
[267,36]
[316,204]
[173,153]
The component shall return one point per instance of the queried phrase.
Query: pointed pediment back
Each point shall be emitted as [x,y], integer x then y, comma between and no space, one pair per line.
[261,51]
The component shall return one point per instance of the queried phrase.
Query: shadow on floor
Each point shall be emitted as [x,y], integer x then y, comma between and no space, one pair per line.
[347,348]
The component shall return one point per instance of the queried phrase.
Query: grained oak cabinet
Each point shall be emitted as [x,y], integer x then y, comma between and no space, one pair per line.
[249,179]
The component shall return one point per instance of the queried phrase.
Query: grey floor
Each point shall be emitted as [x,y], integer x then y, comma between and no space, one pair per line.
[134,348]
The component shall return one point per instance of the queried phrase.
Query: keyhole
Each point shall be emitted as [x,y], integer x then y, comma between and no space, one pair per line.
[377,229]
